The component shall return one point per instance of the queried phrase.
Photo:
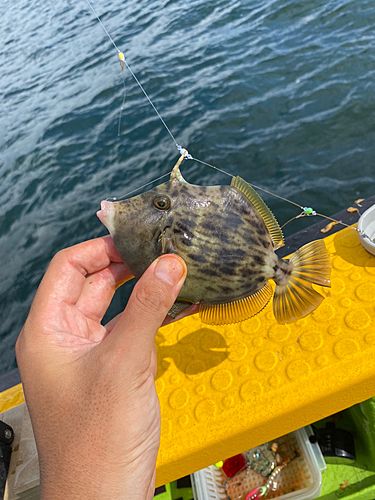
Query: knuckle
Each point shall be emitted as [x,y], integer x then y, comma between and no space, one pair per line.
[59,256]
[61,253]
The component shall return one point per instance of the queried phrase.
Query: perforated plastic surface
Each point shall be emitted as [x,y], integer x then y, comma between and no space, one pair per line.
[225,389]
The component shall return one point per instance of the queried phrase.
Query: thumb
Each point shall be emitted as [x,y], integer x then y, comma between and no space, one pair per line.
[151,299]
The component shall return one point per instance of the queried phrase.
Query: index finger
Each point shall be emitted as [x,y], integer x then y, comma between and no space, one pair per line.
[68,269]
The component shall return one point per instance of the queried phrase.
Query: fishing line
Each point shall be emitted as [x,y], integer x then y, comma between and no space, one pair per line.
[212,166]
[114,198]
[102,25]
[271,193]
[299,216]
[290,220]
[122,105]
[255,185]
[124,61]
[306,211]
[152,104]
[337,221]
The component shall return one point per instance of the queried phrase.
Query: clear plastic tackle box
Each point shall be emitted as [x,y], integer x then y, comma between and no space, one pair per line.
[301,479]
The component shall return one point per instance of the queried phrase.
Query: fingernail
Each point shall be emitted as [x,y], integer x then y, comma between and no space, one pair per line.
[169,269]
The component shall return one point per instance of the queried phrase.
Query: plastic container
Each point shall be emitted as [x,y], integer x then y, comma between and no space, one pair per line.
[366,229]
[301,479]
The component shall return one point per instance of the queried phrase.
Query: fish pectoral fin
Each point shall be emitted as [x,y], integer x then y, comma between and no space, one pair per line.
[268,218]
[238,310]
[166,241]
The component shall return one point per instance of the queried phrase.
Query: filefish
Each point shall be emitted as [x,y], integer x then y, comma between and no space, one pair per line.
[227,236]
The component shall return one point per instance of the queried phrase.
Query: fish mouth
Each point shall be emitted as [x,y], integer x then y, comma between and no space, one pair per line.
[106,214]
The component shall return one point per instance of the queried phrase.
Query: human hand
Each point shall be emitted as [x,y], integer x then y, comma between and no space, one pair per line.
[90,388]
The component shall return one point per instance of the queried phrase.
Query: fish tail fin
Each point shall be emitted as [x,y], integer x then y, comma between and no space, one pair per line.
[294,295]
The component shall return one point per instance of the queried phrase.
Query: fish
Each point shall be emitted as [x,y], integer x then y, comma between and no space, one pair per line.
[227,236]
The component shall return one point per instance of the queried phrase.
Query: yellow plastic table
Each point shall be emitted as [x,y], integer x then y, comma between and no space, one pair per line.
[226,389]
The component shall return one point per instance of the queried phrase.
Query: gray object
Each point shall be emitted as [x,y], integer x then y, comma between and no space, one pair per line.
[366,229]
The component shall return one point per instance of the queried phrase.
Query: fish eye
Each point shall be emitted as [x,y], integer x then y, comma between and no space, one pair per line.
[162,202]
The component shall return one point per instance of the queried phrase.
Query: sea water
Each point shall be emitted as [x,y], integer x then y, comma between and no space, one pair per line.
[280,92]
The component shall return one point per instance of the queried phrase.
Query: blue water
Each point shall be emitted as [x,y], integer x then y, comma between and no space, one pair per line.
[280,92]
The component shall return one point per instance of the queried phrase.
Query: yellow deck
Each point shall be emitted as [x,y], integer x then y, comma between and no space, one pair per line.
[225,389]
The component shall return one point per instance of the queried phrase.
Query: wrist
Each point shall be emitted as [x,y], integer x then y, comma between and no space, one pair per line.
[74,480]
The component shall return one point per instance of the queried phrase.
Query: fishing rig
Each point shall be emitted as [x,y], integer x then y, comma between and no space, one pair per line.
[184,153]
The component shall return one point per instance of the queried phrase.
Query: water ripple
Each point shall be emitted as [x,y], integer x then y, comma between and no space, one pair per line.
[278,91]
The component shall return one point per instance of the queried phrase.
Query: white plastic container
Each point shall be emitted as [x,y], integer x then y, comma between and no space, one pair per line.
[366,229]
[208,483]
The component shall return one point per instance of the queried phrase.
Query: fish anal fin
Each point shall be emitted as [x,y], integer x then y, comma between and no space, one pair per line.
[268,218]
[237,310]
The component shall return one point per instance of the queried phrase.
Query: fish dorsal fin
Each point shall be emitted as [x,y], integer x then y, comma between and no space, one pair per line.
[262,209]
[238,310]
